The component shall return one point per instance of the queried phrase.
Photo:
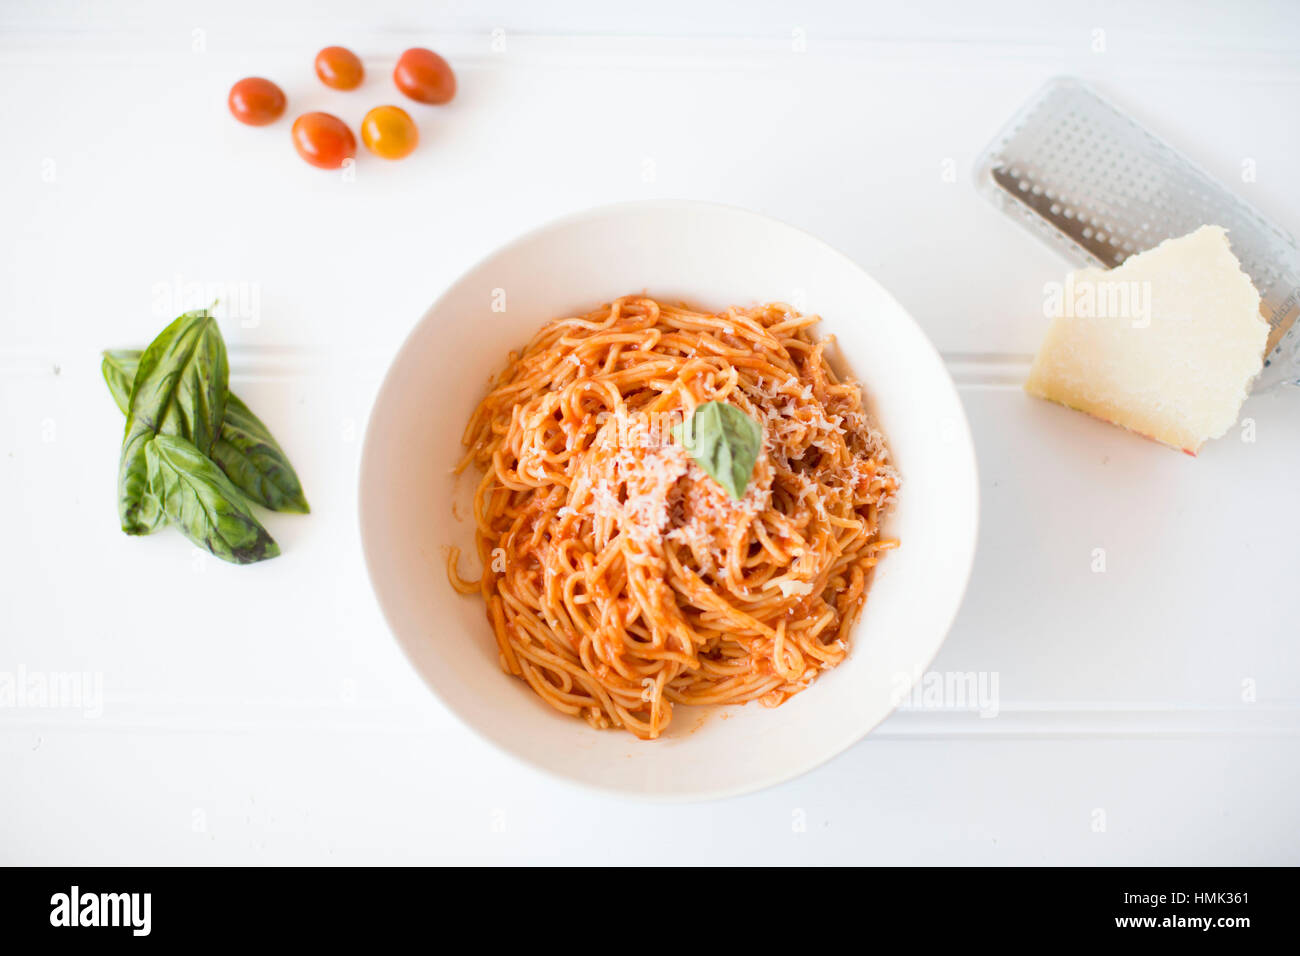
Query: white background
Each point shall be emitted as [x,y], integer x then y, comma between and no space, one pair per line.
[1149,713]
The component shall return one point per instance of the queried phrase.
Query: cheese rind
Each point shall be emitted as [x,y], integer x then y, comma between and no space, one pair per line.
[1177,363]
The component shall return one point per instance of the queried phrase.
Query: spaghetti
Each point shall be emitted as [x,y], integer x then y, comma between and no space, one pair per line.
[619,577]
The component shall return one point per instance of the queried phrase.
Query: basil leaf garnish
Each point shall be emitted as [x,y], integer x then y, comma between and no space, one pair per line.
[245,448]
[725,442]
[179,389]
[199,499]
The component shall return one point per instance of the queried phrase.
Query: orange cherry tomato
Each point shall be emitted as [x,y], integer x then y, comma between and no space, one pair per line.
[339,68]
[323,140]
[424,76]
[256,101]
[389,132]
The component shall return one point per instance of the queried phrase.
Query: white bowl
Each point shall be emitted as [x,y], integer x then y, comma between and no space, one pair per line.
[708,256]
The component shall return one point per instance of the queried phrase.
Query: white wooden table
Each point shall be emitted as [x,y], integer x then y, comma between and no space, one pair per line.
[1149,712]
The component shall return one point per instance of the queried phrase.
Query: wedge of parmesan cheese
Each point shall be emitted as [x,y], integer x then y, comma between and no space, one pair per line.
[1165,345]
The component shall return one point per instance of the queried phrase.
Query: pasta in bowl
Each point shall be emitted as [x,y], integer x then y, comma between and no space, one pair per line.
[620,576]
[678,498]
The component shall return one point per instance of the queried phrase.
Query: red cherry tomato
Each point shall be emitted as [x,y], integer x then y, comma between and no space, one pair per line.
[323,140]
[339,68]
[389,132]
[256,101]
[424,76]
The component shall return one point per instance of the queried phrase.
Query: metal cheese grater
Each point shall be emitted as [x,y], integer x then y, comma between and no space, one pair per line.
[1092,182]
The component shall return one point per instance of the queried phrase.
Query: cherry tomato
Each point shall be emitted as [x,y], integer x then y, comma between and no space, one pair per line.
[389,132]
[256,101]
[424,76]
[323,140]
[339,68]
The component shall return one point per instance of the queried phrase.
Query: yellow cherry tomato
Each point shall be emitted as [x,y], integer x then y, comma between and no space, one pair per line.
[389,132]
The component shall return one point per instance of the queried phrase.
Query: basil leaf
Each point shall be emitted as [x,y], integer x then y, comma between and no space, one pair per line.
[725,442]
[251,458]
[179,389]
[200,500]
[245,449]
[119,367]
